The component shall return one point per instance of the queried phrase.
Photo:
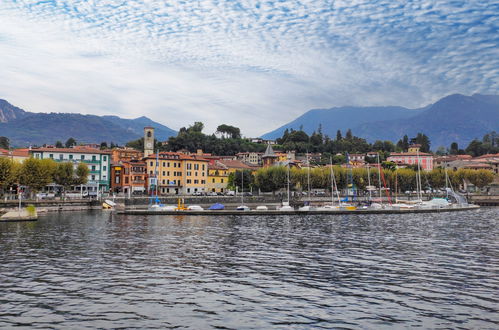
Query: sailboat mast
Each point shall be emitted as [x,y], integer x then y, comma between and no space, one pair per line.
[379,178]
[332,181]
[288,180]
[369,182]
[308,178]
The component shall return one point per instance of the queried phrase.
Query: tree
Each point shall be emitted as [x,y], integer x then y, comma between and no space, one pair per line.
[338,135]
[64,175]
[454,148]
[58,144]
[197,127]
[136,144]
[480,178]
[349,135]
[422,140]
[8,173]
[103,145]
[82,172]
[403,144]
[4,142]
[70,142]
[36,173]
[229,131]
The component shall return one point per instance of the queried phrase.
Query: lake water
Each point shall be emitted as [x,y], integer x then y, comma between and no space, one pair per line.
[100,270]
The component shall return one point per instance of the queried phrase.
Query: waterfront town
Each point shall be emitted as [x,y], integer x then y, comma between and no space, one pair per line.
[128,172]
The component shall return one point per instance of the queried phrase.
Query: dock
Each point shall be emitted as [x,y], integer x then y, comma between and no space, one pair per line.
[22,215]
[297,212]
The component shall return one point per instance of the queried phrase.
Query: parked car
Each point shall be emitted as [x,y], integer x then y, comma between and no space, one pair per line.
[230,193]
[197,193]
[212,193]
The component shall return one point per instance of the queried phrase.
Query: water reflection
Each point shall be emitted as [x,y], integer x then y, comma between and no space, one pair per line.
[104,270]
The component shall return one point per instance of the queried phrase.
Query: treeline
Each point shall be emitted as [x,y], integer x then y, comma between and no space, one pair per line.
[37,173]
[275,178]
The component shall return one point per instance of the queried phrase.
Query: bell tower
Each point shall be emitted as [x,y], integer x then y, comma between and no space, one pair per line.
[148,141]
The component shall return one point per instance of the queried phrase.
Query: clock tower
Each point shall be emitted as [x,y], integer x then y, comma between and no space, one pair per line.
[148,141]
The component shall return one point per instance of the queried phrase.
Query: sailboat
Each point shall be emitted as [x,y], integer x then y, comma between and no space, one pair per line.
[242,207]
[285,205]
[308,207]
[334,189]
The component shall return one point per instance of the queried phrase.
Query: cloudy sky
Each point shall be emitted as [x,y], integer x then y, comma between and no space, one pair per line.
[252,64]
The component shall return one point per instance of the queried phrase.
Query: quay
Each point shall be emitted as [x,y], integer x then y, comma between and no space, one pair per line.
[297,212]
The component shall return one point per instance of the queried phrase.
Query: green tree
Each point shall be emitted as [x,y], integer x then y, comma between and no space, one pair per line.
[338,135]
[454,148]
[103,145]
[58,144]
[64,175]
[70,142]
[82,172]
[423,140]
[480,178]
[36,173]
[4,142]
[8,173]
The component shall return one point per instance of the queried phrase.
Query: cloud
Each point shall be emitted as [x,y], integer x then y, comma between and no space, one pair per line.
[252,64]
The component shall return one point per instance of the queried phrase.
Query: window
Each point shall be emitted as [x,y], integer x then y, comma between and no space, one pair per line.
[222,180]
[93,177]
[82,157]
[203,167]
[188,173]
[168,164]
[195,173]
[151,163]
[93,158]
[164,165]
[104,168]
[212,180]
[203,181]
[188,180]
[174,164]
[104,158]
[168,173]
[61,156]
[196,181]
[93,167]
[70,156]
[196,166]
[164,173]
[51,156]
[164,181]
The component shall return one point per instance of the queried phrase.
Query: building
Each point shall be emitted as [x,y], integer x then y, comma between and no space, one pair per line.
[98,162]
[125,154]
[412,157]
[269,157]
[129,177]
[253,158]
[218,177]
[177,173]
[444,161]
[148,141]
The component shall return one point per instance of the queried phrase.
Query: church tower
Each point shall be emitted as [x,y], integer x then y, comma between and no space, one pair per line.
[148,141]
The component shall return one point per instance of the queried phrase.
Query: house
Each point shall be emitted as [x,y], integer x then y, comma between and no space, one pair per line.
[253,158]
[218,177]
[125,154]
[412,157]
[177,173]
[129,177]
[98,162]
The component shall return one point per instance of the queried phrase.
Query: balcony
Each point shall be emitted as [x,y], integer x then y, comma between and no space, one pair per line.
[138,181]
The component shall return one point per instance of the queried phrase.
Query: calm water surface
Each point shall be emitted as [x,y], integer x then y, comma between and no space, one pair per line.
[99,270]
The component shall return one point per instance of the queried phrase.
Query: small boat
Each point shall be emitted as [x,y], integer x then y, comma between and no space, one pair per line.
[329,208]
[285,207]
[162,207]
[195,208]
[261,208]
[242,208]
[307,208]
[217,206]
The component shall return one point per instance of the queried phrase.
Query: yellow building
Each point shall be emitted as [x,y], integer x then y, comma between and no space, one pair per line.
[176,173]
[218,177]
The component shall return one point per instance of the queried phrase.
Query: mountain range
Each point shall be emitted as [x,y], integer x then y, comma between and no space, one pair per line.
[25,128]
[454,118]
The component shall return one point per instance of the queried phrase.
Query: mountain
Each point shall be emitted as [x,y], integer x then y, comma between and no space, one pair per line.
[454,118]
[28,128]
[8,112]
[341,118]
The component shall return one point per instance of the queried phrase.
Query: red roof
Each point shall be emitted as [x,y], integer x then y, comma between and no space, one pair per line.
[236,164]
[20,152]
[75,150]
[409,154]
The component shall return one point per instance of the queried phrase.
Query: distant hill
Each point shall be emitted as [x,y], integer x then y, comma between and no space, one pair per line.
[24,128]
[454,118]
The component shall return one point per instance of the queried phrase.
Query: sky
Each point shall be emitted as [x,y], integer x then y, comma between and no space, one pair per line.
[253,64]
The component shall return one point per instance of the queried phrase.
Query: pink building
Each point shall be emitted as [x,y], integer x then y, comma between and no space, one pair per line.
[412,158]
